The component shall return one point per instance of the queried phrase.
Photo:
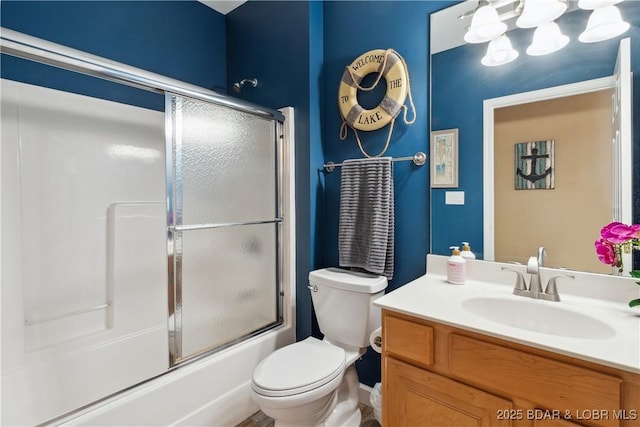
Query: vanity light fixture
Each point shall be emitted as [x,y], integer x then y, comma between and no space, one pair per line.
[536,12]
[547,39]
[485,25]
[604,23]
[499,52]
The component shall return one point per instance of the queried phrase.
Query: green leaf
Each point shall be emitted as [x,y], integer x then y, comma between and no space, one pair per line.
[634,302]
[635,273]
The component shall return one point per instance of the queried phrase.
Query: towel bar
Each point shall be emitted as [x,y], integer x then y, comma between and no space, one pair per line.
[418,159]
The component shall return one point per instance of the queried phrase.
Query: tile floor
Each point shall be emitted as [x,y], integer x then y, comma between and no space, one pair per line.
[261,420]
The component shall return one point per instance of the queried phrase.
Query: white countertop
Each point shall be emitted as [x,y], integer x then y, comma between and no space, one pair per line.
[431,297]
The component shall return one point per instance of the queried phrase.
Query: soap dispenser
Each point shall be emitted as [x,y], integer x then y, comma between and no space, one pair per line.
[456,267]
[466,251]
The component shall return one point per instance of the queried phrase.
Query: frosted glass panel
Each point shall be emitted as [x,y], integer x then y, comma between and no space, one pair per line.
[228,164]
[229,284]
[224,182]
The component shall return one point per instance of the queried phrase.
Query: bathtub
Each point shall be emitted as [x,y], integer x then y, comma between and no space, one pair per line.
[212,391]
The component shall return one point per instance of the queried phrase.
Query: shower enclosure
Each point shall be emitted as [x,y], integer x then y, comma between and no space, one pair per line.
[224,217]
[134,241]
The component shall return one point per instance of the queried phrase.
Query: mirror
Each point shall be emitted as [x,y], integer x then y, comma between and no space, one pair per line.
[460,88]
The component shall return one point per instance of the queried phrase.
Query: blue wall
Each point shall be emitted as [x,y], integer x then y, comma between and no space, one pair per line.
[334,33]
[273,41]
[350,29]
[461,83]
[179,39]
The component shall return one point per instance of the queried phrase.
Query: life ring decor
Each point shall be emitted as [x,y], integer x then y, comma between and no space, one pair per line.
[388,64]
[395,74]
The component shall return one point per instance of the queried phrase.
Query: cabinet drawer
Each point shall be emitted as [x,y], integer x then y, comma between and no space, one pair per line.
[545,382]
[418,397]
[408,340]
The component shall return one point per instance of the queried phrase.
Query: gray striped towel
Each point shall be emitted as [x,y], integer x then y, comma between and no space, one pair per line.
[366,224]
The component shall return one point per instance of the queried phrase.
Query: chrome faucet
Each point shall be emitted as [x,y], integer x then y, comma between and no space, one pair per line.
[535,285]
[533,268]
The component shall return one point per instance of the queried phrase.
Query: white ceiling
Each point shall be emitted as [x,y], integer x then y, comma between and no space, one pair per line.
[223,6]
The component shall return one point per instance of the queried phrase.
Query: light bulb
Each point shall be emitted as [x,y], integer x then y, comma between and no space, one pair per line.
[485,26]
[547,39]
[499,52]
[538,11]
[604,23]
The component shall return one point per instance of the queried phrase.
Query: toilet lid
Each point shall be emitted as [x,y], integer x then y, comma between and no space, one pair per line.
[298,367]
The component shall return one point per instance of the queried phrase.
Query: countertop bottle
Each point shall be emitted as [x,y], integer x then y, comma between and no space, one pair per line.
[456,267]
[466,251]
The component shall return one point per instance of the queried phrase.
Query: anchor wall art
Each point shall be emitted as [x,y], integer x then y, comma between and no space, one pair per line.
[535,165]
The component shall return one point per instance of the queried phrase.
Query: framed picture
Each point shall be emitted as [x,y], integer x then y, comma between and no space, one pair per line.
[535,165]
[444,158]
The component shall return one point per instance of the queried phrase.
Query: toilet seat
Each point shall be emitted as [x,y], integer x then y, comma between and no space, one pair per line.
[298,368]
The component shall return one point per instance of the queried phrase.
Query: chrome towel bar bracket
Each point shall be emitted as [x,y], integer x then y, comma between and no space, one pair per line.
[418,159]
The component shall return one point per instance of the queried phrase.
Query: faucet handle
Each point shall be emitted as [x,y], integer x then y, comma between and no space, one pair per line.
[551,292]
[520,287]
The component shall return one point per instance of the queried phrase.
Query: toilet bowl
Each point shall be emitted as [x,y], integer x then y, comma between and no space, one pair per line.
[298,382]
[314,382]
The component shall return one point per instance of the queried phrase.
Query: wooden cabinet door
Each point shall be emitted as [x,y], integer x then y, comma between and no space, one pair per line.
[413,397]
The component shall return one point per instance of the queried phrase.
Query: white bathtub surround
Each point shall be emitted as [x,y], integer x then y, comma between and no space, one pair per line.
[84,271]
[602,298]
[84,252]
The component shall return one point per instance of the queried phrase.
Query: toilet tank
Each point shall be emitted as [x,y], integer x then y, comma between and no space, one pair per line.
[343,303]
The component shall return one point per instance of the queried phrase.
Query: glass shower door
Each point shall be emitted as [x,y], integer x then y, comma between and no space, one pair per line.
[224,226]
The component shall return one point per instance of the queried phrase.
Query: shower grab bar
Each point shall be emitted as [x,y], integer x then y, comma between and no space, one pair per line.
[221,225]
[28,47]
[418,159]
[28,322]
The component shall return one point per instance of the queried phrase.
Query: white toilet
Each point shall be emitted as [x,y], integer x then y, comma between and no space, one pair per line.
[313,382]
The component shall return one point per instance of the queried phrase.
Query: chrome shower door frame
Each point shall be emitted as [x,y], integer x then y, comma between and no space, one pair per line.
[175,228]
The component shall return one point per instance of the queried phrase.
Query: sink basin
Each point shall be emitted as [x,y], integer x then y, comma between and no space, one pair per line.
[538,316]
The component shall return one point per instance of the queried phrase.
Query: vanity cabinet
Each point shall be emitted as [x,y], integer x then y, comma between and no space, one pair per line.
[437,375]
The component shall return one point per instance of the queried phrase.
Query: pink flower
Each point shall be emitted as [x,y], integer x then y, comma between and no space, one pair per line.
[606,252]
[617,232]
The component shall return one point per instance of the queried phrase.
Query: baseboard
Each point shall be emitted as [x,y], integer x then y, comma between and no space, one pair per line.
[365,394]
